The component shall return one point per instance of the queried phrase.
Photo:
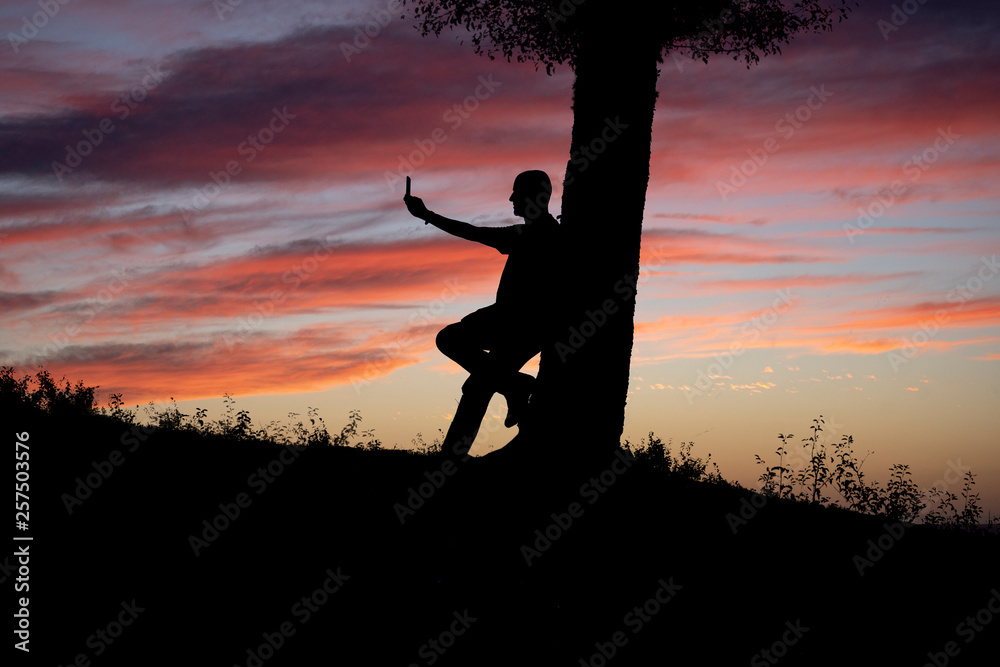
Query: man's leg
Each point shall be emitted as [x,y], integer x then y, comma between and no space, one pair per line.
[469,416]
[466,343]
[511,340]
[463,344]
[516,387]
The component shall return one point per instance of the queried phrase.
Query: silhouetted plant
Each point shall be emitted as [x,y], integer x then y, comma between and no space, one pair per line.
[276,431]
[971,511]
[224,424]
[770,486]
[116,410]
[816,475]
[370,442]
[766,479]
[657,456]
[850,480]
[349,431]
[13,391]
[900,500]
[297,434]
[168,418]
[200,414]
[653,453]
[319,436]
[902,495]
[44,393]
[942,503]
[689,467]
[77,400]
[430,448]
[944,513]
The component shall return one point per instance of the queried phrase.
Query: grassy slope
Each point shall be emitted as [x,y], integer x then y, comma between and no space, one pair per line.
[334,508]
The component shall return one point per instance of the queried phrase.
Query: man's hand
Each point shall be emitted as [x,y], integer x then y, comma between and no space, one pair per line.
[415,205]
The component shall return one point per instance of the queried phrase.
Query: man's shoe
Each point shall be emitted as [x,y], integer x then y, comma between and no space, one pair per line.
[517,394]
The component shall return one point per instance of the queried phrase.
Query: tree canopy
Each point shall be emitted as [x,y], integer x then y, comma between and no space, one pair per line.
[550,32]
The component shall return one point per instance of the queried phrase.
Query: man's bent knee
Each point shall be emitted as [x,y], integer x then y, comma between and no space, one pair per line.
[447,337]
[479,383]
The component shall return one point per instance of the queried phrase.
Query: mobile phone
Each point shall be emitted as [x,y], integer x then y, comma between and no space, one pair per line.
[407,186]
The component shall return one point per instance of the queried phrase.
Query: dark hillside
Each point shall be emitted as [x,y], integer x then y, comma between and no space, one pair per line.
[451,584]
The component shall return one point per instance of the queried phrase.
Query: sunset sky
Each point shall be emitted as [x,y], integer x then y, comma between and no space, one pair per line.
[199,198]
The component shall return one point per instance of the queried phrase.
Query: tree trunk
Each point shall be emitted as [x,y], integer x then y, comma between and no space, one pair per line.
[579,404]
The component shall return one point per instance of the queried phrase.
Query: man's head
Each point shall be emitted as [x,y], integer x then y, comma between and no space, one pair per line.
[532,190]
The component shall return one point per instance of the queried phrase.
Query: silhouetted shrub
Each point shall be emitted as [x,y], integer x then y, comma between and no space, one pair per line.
[656,456]
[900,500]
[432,448]
[44,393]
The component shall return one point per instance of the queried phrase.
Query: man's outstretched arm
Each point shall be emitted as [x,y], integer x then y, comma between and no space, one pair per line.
[462,230]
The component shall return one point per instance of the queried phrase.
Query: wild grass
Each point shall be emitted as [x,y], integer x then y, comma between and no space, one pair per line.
[839,470]
[683,465]
[821,471]
[42,392]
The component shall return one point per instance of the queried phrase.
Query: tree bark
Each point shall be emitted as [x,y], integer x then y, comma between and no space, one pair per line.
[583,380]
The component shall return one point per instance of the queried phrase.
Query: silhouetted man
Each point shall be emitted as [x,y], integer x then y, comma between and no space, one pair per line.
[494,342]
